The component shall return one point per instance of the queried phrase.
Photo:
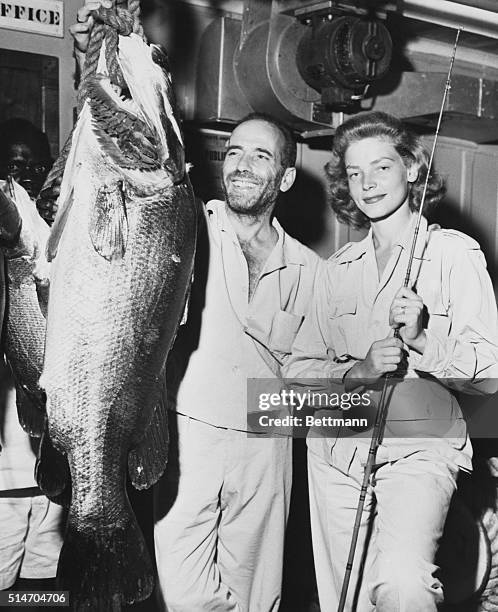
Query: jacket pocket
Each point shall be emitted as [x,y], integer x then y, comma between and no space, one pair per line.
[343,306]
[343,324]
[439,318]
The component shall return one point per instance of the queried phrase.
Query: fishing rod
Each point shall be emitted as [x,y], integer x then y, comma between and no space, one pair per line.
[381,415]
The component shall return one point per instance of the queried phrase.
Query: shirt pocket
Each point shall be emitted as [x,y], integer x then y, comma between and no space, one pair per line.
[439,318]
[284,330]
[343,324]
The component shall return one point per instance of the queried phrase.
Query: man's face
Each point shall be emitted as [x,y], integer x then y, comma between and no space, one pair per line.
[252,171]
[25,168]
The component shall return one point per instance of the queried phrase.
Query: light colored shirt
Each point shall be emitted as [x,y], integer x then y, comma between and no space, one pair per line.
[228,339]
[351,310]
[18,454]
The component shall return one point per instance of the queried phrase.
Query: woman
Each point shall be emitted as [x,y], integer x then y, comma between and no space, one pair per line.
[448,330]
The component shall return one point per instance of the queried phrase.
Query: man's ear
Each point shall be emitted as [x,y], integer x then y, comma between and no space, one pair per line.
[288,179]
[412,172]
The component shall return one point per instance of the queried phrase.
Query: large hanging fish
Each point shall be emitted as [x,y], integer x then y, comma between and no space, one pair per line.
[122,247]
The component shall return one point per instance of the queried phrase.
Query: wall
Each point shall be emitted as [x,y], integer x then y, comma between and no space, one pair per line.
[62,48]
[471,204]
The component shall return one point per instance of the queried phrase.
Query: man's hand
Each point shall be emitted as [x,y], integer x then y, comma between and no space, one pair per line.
[81,30]
[382,357]
[406,314]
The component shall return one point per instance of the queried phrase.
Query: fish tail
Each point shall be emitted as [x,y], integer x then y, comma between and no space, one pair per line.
[105,568]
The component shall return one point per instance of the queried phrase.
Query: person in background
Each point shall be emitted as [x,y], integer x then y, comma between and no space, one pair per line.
[448,326]
[31,533]
[24,154]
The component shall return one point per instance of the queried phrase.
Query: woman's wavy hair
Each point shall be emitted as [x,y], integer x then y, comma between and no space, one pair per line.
[407,144]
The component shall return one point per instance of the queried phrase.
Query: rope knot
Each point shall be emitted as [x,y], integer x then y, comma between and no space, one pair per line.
[119,19]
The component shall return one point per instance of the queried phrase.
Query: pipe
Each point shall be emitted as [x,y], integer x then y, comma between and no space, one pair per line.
[469,13]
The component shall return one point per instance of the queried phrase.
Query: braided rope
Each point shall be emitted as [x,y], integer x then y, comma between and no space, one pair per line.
[116,21]
[111,57]
[91,60]
[134,9]
[117,18]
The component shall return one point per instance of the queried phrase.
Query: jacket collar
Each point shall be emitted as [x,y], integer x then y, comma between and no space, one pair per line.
[356,250]
[287,251]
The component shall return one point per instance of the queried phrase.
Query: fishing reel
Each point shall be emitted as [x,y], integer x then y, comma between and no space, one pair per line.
[340,57]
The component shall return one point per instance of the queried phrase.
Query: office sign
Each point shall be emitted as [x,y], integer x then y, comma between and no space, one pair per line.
[39,16]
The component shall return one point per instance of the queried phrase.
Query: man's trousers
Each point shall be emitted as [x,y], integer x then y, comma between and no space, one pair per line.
[220,515]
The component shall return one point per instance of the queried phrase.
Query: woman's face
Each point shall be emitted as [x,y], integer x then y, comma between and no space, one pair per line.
[378,178]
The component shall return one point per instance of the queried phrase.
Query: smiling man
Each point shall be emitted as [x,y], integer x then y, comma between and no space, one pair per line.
[221,508]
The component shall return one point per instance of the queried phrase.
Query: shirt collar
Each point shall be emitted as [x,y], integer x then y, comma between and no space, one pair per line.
[356,250]
[406,237]
[286,251]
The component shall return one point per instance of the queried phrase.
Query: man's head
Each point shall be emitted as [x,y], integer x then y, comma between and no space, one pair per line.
[259,163]
[24,154]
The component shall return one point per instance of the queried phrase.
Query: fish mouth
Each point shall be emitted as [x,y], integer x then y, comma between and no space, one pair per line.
[120,127]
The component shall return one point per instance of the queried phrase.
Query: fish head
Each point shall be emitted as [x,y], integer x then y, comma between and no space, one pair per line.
[137,125]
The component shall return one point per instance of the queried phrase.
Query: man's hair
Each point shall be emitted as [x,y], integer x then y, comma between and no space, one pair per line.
[17,130]
[289,149]
[407,144]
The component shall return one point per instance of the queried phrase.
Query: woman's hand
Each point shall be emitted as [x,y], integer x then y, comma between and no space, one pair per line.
[406,314]
[81,30]
[382,357]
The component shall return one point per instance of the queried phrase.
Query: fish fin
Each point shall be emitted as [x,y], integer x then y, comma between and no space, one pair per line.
[52,472]
[58,227]
[175,164]
[147,461]
[43,292]
[105,568]
[30,410]
[108,222]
